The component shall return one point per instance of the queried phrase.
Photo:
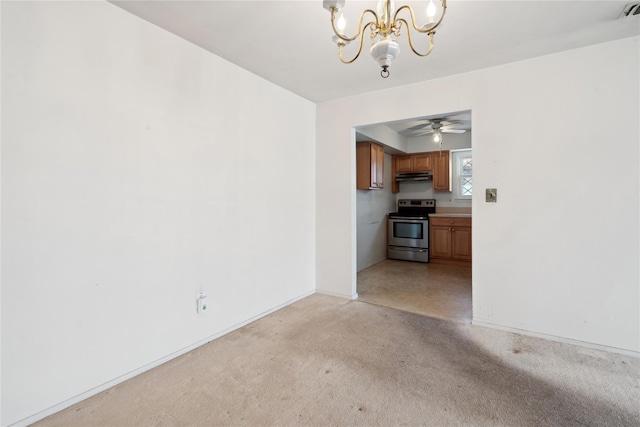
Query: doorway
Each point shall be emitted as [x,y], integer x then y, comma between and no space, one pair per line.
[429,289]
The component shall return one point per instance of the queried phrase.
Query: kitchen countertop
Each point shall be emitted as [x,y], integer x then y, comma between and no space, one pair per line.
[451,215]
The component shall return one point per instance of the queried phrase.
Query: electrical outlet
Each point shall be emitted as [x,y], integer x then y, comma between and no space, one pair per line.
[202,302]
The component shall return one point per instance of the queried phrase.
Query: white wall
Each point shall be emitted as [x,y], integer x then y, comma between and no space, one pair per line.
[559,253]
[372,208]
[384,135]
[136,170]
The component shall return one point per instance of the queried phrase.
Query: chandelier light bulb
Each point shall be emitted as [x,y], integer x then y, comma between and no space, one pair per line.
[382,10]
[341,24]
[431,11]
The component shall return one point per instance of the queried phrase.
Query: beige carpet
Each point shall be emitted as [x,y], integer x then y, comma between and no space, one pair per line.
[329,362]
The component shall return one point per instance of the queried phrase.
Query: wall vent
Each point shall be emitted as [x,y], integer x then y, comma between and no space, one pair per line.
[631,9]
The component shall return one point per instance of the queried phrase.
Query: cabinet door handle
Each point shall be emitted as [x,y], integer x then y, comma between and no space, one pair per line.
[453,229]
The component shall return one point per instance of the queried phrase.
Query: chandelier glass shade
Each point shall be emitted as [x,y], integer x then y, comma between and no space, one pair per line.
[385,27]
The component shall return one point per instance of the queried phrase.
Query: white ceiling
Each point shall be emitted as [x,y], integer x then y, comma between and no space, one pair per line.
[289,42]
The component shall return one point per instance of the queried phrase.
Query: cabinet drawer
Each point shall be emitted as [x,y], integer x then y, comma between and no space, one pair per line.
[450,221]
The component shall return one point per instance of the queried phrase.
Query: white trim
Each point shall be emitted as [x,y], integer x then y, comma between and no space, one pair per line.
[92,392]
[335,294]
[556,338]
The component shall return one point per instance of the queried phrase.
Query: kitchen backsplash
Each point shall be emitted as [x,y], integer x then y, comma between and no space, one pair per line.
[424,190]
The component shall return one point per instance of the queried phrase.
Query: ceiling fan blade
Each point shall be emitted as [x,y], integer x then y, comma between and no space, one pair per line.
[417,127]
[453,131]
[462,116]
[425,132]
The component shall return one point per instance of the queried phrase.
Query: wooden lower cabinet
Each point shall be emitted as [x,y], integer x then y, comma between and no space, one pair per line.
[450,240]
[440,241]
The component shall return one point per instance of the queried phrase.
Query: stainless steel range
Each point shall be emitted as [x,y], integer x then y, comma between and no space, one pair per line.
[409,230]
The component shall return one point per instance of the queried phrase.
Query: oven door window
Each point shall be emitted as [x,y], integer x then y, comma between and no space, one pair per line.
[407,230]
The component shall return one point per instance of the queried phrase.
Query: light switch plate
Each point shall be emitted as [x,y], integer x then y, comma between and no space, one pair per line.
[492,195]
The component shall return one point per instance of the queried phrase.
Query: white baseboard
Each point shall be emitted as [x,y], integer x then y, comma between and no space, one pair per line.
[556,338]
[92,392]
[335,294]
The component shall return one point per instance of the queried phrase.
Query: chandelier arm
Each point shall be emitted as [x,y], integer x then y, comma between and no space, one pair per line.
[361,29]
[341,46]
[431,33]
[413,18]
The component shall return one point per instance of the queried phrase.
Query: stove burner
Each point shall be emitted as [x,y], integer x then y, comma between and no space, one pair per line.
[409,215]
[412,208]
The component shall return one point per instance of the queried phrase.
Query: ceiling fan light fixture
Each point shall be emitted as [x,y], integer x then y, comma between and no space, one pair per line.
[437,137]
[385,26]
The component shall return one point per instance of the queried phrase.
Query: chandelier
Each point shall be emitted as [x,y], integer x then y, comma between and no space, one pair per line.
[385,27]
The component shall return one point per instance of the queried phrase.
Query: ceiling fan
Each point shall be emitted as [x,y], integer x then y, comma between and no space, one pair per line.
[437,126]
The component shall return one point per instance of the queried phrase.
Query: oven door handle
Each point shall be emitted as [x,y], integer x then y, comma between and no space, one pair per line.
[398,248]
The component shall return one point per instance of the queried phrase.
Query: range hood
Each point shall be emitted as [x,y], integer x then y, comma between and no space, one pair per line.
[414,176]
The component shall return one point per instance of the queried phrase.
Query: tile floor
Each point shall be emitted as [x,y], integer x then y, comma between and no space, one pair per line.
[433,290]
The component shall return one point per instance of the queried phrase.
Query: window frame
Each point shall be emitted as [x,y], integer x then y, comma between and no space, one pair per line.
[460,156]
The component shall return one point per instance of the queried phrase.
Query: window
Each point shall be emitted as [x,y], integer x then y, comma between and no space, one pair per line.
[466,180]
[464,175]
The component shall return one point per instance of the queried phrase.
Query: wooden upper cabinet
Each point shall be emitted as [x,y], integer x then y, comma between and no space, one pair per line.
[413,163]
[378,152]
[369,166]
[437,162]
[422,162]
[403,164]
[441,171]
